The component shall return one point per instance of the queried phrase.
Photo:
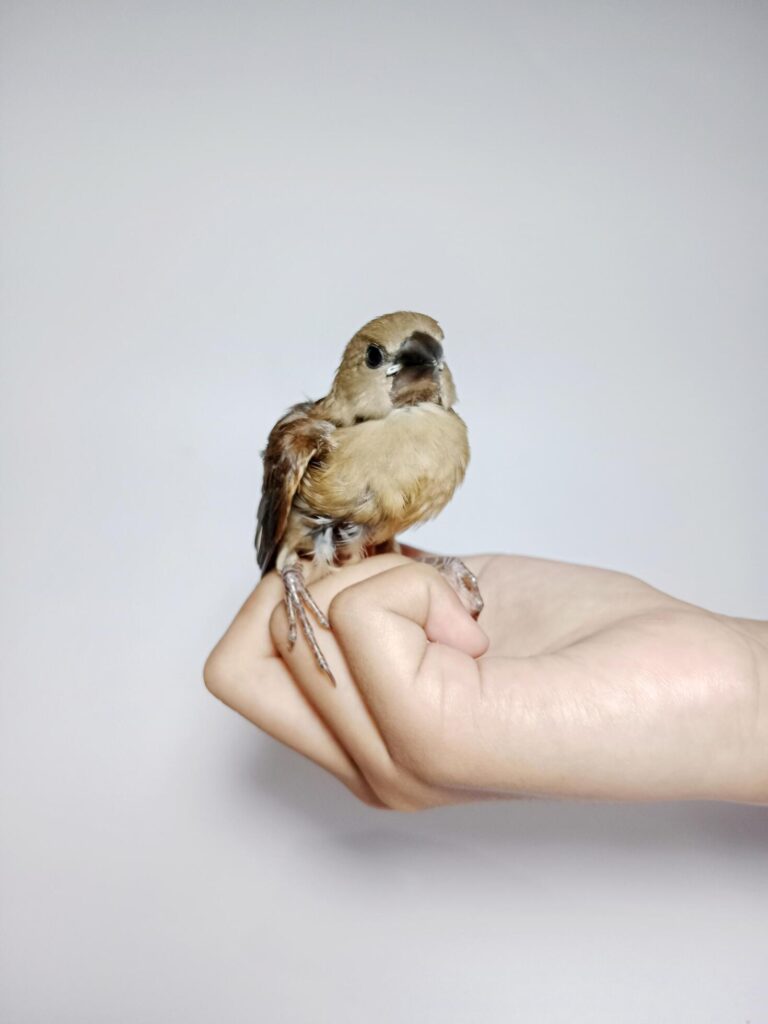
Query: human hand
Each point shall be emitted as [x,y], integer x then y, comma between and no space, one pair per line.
[577,682]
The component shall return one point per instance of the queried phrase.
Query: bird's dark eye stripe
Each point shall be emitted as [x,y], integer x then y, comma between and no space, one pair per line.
[373,356]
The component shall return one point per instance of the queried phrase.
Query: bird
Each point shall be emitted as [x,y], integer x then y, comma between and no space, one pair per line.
[383,451]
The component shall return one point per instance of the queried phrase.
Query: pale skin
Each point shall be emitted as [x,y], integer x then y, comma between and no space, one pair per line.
[575,683]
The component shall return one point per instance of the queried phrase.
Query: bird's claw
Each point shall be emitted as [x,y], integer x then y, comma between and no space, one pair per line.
[461,578]
[297,600]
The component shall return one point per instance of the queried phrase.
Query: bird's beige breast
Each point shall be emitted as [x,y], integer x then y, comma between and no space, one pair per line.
[392,473]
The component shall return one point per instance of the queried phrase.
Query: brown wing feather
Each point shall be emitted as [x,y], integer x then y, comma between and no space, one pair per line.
[294,441]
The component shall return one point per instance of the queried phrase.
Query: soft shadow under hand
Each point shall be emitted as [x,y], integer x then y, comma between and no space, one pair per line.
[268,770]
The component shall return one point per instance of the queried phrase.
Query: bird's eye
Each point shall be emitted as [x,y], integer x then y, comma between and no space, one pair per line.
[373,356]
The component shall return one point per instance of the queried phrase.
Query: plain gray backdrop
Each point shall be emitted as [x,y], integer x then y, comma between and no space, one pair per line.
[201,202]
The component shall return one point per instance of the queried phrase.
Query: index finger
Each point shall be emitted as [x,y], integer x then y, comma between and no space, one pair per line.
[246,673]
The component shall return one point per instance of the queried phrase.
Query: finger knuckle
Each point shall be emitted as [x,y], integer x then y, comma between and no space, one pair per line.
[341,608]
[401,798]
[278,626]
[217,674]
[392,786]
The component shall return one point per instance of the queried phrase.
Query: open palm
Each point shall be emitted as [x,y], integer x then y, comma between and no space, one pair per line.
[576,682]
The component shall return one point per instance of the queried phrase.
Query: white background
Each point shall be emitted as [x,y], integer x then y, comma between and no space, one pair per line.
[201,203]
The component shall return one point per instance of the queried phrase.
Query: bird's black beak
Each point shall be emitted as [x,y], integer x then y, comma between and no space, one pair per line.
[419,352]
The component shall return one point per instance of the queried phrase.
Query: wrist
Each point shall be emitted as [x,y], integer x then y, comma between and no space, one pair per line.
[754,634]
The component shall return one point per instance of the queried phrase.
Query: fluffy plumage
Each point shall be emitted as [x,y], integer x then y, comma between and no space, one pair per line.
[383,451]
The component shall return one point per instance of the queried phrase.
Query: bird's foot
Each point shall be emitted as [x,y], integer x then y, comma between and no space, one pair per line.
[462,579]
[297,600]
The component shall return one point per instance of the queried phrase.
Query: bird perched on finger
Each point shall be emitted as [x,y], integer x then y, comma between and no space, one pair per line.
[382,452]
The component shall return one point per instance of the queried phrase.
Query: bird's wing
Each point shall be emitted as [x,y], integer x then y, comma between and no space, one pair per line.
[294,441]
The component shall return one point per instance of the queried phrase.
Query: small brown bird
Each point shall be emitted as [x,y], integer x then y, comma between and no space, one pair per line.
[383,451]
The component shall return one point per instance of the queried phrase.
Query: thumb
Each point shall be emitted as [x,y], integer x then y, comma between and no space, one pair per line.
[416,595]
[386,625]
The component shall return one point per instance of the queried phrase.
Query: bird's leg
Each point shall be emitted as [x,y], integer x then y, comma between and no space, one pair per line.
[462,579]
[297,600]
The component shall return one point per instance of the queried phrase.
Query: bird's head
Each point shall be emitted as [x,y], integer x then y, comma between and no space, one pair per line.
[393,361]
